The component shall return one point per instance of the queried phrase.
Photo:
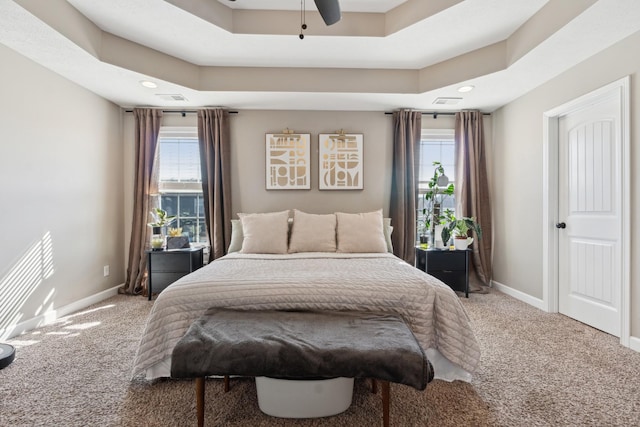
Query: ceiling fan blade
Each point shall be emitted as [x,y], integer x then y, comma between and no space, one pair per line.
[329,10]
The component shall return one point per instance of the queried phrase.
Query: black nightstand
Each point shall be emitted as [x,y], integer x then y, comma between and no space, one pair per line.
[452,267]
[165,267]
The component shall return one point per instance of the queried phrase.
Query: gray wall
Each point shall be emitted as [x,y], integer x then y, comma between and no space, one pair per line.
[248,130]
[518,157]
[60,197]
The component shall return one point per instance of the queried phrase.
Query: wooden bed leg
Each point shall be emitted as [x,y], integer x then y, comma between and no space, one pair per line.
[374,386]
[200,400]
[385,403]
[226,383]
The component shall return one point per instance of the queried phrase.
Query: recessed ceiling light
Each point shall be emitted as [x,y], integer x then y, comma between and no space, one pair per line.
[464,89]
[149,84]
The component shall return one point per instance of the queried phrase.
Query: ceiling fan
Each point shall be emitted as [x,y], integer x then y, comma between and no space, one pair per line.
[329,10]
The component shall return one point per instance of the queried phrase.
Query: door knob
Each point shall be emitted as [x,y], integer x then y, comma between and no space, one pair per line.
[561,225]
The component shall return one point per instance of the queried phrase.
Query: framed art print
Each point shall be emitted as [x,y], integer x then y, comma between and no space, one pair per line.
[288,161]
[340,161]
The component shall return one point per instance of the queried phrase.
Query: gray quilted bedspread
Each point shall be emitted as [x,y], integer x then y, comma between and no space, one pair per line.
[312,281]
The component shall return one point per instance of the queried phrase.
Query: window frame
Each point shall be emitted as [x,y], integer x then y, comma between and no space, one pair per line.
[433,135]
[179,189]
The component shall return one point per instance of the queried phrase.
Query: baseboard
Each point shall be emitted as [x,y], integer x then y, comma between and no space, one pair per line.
[634,343]
[53,315]
[519,295]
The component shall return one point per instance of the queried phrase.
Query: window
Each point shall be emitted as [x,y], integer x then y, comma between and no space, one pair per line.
[436,145]
[180,182]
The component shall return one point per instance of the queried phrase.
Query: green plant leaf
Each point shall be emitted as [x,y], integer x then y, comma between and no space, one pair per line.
[445,234]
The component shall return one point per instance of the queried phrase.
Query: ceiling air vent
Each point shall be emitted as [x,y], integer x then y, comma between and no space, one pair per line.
[171,97]
[447,101]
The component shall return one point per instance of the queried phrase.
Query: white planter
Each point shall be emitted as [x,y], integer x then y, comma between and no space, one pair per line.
[462,244]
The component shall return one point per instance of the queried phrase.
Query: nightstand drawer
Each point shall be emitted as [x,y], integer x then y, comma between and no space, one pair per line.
[162,280]
[456,279]
[446,260]
[170,262]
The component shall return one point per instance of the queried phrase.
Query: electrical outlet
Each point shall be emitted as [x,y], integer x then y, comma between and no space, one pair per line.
[106,270]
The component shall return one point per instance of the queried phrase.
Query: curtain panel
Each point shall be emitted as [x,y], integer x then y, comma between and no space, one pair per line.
[407,130]
[147,128]
[215,165]
[472,186]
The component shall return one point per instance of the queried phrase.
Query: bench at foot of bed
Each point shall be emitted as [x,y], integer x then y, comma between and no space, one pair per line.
[301,345]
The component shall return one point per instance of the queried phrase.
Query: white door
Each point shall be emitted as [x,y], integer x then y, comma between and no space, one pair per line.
[590,214]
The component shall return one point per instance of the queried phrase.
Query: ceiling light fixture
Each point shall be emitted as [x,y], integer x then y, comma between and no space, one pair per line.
[463,89]
[303,16]
[148,83]
[329,10]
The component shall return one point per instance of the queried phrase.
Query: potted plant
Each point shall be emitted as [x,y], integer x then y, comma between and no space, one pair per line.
[444,220]
[158,227]
[423,233]
[459,228]
[439,187]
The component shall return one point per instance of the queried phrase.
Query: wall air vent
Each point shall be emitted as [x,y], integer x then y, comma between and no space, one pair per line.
[447,101]
[171,97]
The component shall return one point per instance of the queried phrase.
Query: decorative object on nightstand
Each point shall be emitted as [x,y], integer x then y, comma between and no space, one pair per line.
[460,229]
[158,228]
[176,240]
[450,266]
[165,267]
[157,239]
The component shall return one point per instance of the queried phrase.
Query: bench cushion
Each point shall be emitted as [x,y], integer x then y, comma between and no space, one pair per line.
[301,345]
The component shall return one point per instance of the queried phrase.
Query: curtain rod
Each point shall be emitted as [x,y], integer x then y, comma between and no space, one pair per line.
[183,112]
[435,114]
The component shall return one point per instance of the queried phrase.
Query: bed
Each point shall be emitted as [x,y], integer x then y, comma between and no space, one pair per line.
[338,280]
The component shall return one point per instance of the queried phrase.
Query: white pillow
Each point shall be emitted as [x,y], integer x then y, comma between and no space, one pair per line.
[237,236]
[312,233]
[388,229]
[361,232]
[265,233]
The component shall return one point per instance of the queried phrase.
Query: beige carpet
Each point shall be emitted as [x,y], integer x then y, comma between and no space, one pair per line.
[537,369]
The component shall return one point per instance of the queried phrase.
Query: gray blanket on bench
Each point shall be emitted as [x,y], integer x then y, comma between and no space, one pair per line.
[301,345]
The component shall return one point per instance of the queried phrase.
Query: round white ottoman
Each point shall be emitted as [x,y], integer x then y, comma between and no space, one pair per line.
[304,398]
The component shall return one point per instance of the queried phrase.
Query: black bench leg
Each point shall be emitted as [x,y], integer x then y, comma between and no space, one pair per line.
[374,386]
[200,400]
[226,383]
[385,403]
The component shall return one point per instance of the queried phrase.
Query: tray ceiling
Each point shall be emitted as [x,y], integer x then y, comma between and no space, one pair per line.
[382,55]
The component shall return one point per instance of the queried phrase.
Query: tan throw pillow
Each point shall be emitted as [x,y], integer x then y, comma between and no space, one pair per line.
[265,233]
[312,233]
[361,232]
[237,236]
